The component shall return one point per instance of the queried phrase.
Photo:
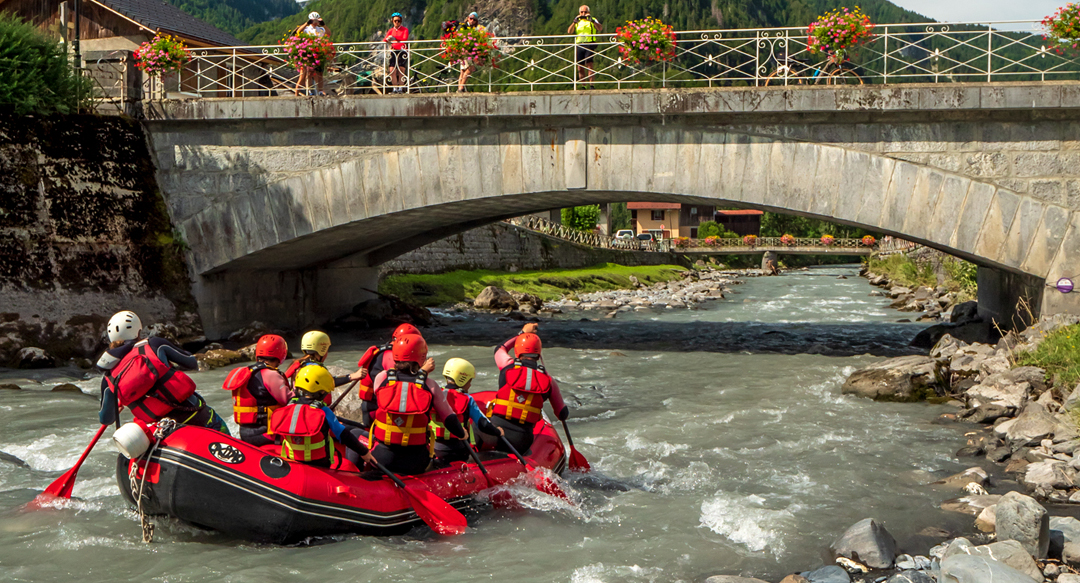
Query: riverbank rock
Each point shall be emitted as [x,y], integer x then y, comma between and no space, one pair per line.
[1012,554]
[1063,529]
[972,505]
[827,574]
[907,378]
[986,521]
[732,579]
[1031,426]
[977,569]
[1022,519]
[32,357]
[959,481]
[910,577]
[867,542]
[250,333]
[212,359]
[494,298]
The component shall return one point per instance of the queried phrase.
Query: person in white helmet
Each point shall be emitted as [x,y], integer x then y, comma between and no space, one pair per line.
[141,375]
[315,26]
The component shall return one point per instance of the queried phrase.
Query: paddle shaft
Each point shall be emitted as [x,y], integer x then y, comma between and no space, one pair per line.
[566,430]
[343,395]
[514,451]
[390,475]
[476,458]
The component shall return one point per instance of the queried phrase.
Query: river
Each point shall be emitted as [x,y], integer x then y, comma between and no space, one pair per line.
[717,448]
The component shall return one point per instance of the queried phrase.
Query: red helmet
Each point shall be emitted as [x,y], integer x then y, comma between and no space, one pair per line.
[404,329]
[527,344]
[410,348]
[272,346]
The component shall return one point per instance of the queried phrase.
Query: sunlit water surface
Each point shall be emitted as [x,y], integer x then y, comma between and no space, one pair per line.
[732,458]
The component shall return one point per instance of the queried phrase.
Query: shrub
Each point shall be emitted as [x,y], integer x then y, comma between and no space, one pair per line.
[161,55]
[709,229]
[475,46]
[836,33]
[1062,29]
[581,218]
[646,41]
[750,240]
[43,81]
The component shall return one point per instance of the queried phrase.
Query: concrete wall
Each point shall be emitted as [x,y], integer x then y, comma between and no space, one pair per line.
[504,247]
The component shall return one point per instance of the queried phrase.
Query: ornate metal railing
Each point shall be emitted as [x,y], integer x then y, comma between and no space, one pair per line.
[927,52]
[771,244]
[560,231]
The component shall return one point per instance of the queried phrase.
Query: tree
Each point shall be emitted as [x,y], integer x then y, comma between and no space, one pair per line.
[35,73]
[620,217]
[709,229]
[582,218]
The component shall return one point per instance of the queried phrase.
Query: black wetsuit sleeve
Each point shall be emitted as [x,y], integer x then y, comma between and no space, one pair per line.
[338,381]
[453,425]
[564,413]
[107,411]
[169,352]
[485,426]
[350,441]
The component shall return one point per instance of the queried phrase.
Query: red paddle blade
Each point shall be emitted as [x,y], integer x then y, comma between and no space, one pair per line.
[62,486]
[578,463]
[435,512]
[545,484]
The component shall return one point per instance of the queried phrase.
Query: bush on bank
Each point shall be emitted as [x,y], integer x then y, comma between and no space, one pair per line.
[457,286]
[36,74]
[1059,355]
[957,275]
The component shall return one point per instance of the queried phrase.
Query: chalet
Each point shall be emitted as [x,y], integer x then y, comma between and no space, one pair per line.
[666,220]
[742,221]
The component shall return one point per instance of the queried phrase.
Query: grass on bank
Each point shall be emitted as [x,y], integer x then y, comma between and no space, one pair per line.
[1059,355]
[959,275]
[457,286]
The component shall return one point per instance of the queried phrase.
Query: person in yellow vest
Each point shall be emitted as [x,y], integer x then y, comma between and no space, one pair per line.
[308,428]
[586,28]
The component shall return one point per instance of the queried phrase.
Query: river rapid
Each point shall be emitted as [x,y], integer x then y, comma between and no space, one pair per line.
[719,440]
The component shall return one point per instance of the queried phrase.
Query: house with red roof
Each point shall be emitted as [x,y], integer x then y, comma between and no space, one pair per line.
[666,220]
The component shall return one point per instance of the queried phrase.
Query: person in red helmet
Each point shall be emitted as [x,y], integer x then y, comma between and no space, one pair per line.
[376,360]
[259,390]
[406,403]
[524,385]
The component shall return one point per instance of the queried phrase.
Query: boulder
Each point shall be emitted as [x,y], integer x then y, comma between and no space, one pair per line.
[524,299]
[945,348]
[910,577]
[1048,474]
[867,542]
[731,578]
[897,291]
[969,332]
[986,521]
[923,293]
[1012,554]
[33,357]
[1063,529]
[1070,555]
[988,413]
[827,574]
[1068,578]
[250,333]
[1072,400]
[907,378]
[1008,398]
[1022,519]
[972,505]
[794,578]
[212,359]
[963,568]
[965,313]
[1031,426]
[163,330]
[959,481]
[494,298]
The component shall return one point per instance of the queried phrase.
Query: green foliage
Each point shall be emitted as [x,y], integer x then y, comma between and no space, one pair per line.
[620,217]
[776,225]
[36,75]
[1059,355]
[902,270]
[582,218]
[457,286]
[709,229]
[233,16]
[964,274]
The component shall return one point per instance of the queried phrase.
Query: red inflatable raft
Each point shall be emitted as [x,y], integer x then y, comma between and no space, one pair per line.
[214,481]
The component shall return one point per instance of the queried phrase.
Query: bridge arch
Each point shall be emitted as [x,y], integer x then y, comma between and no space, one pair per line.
[368,208]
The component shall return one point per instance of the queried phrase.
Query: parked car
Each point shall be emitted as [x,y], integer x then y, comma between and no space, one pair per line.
[624,234]
[644,239]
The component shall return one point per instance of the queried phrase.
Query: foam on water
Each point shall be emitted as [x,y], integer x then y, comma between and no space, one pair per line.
[599,573]
[50,453]
[746,521]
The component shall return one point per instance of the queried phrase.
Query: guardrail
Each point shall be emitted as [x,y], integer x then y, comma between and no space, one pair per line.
[769,244]
[929,52]
[553,229]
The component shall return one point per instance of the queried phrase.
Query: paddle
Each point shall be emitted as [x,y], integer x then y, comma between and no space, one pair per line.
[542,482]
[476,458]
[434,511]
[343,395]
[62,486]
[578,463]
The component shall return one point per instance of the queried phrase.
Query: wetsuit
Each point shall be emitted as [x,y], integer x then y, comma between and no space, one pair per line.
[450,449]
[413,459]
[194,411]
[517,432]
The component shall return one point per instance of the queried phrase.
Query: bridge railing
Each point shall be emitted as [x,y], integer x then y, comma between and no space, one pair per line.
[769,243]
[899,53]
[558,230]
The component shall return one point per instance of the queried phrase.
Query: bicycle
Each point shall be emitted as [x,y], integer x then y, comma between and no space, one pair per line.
[799,72]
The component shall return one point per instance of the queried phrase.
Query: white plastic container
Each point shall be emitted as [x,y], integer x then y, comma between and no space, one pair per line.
[131,440]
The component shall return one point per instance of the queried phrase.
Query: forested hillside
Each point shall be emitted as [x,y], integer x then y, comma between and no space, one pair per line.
[234,16]
[352,20]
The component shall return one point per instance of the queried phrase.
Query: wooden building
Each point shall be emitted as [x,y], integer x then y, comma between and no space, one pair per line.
[742,221]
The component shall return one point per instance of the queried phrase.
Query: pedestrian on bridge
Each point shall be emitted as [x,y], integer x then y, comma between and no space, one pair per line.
[398,59]
[315,26]
[467,67]
[586,27]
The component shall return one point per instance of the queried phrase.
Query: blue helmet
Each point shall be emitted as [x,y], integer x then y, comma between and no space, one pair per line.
[396,15]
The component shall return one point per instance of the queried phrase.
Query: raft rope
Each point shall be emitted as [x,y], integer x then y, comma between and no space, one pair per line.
[164,427]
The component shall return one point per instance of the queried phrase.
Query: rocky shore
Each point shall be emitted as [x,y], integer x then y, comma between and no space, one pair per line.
[1023,427]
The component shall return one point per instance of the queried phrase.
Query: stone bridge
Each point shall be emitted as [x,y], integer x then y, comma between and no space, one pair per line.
[289,204]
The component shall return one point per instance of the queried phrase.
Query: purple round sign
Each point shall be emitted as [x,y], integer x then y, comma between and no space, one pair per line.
[1064,285]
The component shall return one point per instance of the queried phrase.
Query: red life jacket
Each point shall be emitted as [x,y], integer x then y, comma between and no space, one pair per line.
[521,395]
[366,387]
[459,404]
[404,410]
[305,432]
[151,389]
[252,401]
[290,373]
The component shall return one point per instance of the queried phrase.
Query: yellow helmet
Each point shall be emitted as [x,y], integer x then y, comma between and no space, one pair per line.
[459,371]
[314,379]
[316,341]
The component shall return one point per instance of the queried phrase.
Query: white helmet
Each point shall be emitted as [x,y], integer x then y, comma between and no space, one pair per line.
[313,16]
[124,326]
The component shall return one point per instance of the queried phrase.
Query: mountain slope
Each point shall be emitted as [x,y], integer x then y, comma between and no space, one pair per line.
[233,16]
[353,20]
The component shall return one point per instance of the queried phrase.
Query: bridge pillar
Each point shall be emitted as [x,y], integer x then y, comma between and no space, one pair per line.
[1009,299]
[770,255]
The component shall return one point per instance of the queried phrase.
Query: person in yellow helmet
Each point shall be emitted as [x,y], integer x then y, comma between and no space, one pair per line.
[308,428]
[459,374]
[316,346]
